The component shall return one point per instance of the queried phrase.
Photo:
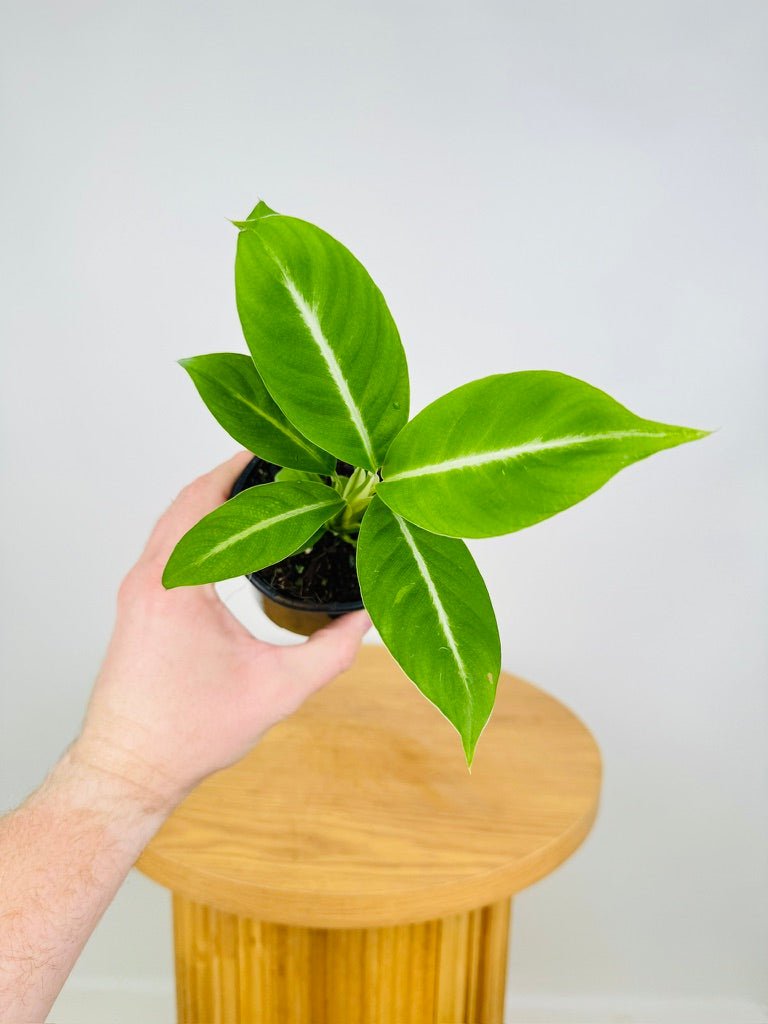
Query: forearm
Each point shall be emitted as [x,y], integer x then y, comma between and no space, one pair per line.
[184,691]
[63,855]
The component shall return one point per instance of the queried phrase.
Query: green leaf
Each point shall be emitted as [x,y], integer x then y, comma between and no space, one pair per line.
[260,210]
[258,527]
[507,451]
[322,338]
[428,601]
[231,387]
[288,475]
[306,545]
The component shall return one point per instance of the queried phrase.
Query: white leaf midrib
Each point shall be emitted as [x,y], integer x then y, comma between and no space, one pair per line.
[290,434]
[308,314]
[532,447]
[261,525]
[442,615]
[296,438]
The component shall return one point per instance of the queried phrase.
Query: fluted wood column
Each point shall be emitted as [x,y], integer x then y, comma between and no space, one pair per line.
[236,970]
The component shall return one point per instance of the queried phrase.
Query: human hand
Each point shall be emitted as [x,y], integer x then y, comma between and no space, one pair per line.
[184,689]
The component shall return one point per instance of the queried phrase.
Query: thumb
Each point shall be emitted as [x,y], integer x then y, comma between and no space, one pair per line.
[332,649]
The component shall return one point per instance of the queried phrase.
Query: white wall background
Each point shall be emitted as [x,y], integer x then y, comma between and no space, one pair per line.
[574,186]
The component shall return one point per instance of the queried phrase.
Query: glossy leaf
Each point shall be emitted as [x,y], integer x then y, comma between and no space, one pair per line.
[429,603]
[307,545]
[260,210]
[507,451]
[321,337]
[258,527]
[291,475]
[231,387]
[288,475]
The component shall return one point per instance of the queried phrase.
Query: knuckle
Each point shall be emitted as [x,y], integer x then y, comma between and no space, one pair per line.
[129,587]
[188,491]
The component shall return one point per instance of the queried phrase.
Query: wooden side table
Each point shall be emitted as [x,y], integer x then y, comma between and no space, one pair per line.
[350,870]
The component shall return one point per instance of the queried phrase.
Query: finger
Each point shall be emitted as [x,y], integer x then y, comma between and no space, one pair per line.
[203,495]
[331,650]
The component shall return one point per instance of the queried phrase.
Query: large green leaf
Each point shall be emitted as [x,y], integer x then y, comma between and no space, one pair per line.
[321,336]
[507,451]
[258,527]
[231,387]
[429,603]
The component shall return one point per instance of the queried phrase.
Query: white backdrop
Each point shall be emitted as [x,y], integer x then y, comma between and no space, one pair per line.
[568,186]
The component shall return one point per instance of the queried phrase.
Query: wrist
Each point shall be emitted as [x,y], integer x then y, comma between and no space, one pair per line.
[94,806]
[116,778]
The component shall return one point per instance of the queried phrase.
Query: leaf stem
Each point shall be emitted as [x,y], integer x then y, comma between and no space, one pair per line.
[357,491]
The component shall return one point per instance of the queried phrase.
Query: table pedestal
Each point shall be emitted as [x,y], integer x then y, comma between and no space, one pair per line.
[350,870]
[237,970]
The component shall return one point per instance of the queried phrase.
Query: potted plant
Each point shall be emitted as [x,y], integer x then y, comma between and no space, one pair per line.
[342,479]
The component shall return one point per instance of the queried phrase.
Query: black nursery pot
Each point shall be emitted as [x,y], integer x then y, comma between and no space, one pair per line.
[297,593]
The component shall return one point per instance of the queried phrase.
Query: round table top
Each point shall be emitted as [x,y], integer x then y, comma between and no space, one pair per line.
[359,811]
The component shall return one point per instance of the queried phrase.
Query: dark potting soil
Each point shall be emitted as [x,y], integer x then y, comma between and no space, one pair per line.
[325,574]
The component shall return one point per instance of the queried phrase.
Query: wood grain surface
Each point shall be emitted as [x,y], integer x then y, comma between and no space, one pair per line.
[359,812]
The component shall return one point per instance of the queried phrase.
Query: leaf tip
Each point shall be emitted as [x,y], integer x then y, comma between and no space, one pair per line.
[687,434]
[469,744]
[259,212]
[170,578]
